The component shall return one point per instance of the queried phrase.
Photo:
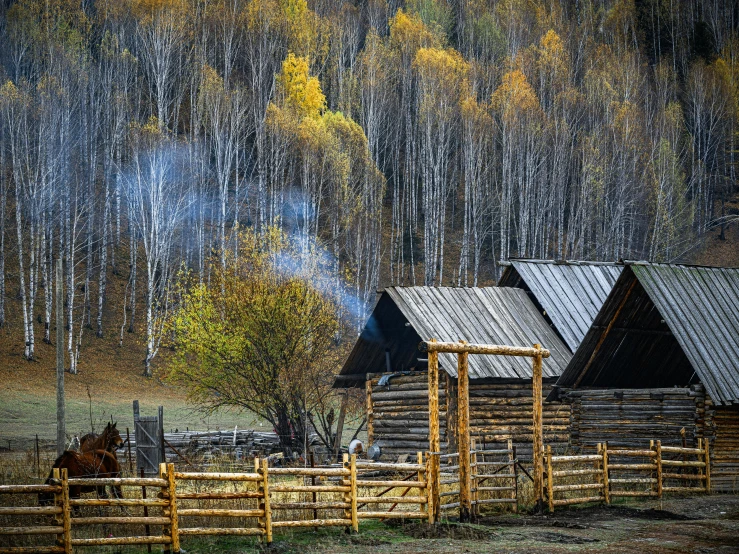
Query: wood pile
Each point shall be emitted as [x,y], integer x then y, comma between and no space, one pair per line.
[221,442]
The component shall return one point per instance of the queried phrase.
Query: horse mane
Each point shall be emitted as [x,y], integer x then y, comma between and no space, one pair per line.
[56,464]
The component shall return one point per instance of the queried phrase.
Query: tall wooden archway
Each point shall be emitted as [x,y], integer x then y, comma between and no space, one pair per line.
[463,349]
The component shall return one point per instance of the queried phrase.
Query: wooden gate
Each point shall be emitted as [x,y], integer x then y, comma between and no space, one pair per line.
[149,431]
[148,445]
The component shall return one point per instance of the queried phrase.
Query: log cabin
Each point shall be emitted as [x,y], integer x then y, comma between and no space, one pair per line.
[660,362]
[386,361]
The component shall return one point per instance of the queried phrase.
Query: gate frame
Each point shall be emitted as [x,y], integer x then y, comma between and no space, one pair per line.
[462,348]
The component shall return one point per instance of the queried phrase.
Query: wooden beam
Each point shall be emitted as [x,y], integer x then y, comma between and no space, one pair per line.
[492,349]
[538,436]
[370,414]
[434,440]
[604,334]
[463,436]
[340,424]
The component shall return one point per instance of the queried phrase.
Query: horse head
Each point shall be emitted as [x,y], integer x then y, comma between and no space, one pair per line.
[114,439]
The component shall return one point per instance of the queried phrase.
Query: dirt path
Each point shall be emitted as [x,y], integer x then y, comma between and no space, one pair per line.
[697,525]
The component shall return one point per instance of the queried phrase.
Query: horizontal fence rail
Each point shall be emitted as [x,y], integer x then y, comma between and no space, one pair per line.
[620,472]
[494,478]
[178,504]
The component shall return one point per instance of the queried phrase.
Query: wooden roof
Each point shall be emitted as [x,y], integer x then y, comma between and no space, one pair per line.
[570,293]
[664,325]
[403,316]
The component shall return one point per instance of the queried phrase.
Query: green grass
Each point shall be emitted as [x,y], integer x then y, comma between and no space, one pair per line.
[24,414]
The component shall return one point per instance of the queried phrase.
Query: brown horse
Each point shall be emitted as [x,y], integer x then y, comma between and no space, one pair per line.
[110,440]
[97,463]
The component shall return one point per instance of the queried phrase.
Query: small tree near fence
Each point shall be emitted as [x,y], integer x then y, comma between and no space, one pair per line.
[261,335]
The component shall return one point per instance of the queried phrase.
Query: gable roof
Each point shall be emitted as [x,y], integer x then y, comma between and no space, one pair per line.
[571,293]
[656,309]
[488,315]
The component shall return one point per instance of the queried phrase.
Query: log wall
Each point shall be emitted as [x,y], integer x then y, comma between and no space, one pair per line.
[502,410]
[499,410]
[400,414]
[725,448]
[630,418]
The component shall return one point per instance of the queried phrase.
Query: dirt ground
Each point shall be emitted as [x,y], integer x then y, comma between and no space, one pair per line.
[708,524]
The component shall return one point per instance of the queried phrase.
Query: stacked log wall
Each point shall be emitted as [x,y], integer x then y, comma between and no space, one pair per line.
[499,410]
[630,418]
[724,424]
[400,414]
[503,410]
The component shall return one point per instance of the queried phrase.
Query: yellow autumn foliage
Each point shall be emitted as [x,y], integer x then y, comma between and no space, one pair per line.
[515,96]
[299,89]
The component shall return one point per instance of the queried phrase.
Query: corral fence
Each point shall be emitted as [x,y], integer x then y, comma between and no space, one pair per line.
[493,476]
[613,473]
[178,504]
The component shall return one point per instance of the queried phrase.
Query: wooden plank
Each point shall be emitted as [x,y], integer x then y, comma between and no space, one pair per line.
[127,520]
[313,523]
[254,477]
[31,550]
[570,501]
[33,530]
[117,502]
[389,483]
[309,471]
[393,515]
[245,531]
[30,510]
[312,488]
[390,466]
[117,481]
[337,505]
[29,489]
[111,541]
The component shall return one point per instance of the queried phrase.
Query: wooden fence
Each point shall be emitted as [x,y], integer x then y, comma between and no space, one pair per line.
[493,476]
[626,473]
[180,504]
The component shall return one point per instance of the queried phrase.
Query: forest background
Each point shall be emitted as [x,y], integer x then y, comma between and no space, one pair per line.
[398,143]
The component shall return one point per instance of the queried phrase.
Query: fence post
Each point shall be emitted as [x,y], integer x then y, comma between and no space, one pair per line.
[351,496]
[550,479]
[538,436]
[659,469]
[429,491]
[463,436]
[473,478]
[421,477]
[512,459]
[606,477]
[353,485]
[707,457]
[174,531]
[66,512]
[264,486]
[61,500]
[434,439]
